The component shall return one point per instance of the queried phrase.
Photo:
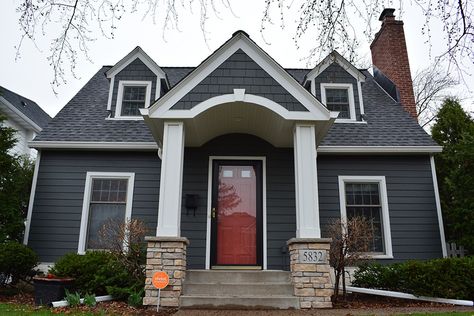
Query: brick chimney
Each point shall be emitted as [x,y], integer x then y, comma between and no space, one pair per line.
[389,55]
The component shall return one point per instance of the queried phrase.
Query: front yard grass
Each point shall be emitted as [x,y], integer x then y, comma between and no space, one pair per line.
[20,310]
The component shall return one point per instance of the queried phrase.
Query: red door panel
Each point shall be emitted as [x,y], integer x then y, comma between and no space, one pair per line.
[236,215]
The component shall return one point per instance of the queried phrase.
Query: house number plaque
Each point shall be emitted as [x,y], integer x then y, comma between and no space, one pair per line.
[312,256]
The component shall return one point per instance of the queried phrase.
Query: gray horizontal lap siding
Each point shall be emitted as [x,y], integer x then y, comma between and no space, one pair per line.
[281,220]
[59,195]
[336,74]
[411,200]
[135,71]
[239,71]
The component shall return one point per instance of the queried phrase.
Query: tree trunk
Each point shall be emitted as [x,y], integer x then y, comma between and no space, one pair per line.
[337,275]
[344,283]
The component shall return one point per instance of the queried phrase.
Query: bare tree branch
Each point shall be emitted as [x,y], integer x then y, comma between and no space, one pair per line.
[430,87]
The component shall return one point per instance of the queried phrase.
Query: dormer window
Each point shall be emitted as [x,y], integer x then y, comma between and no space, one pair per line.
[339,97]
[131,97]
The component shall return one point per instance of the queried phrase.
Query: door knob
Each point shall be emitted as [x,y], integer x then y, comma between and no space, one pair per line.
[213,212]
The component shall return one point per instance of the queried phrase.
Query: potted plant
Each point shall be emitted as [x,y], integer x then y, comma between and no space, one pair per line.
[51,288]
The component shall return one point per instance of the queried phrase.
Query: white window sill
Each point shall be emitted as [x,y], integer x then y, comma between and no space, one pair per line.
[369,256]
[125,118]
[349,121]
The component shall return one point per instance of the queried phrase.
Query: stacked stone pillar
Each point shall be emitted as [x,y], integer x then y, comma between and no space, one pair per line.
[310,271]
[166,254]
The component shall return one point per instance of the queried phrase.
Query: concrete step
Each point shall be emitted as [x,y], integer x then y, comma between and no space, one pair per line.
[239,302]
[238,289]
[237,276]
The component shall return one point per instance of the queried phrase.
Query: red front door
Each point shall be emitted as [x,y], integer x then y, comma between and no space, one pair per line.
[236,213]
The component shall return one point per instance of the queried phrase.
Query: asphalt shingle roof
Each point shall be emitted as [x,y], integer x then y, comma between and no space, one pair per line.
[83,118]
[26,106]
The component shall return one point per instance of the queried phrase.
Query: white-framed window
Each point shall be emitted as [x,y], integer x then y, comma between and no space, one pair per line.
[339,97]
[131,97]
[367,196]
[107,196]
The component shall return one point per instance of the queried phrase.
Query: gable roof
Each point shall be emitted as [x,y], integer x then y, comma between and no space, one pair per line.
[240,41]
[335,57]
[139,53]
[25,108]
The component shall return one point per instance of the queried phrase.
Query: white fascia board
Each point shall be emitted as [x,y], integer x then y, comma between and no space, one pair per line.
[380,149]
[242,42]
[36,128]
[93,145]
[334,56]
[249,98]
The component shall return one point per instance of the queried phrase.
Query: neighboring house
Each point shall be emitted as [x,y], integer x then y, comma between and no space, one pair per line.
[25,116]
[239,155]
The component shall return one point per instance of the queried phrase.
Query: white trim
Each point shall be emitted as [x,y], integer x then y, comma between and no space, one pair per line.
[335,57]
[139,53]
[350,95]
[379,149]
[130,176]
[93,145]
[240,41]
[361,99]
[111,92]
[264,204]
[171,180]
[408,296]
[131,83]
[438,207]
[306,182]
[384,204]
[36,128]
[32,199]
[238,95]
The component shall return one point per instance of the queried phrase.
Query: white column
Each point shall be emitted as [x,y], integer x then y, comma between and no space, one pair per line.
[306,182]
[169,211]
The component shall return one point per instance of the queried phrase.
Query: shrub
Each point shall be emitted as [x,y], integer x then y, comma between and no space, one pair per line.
[97,272]
[447,278]
[17,262]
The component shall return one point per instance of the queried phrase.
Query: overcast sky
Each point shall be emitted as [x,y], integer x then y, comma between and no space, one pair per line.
[31,75]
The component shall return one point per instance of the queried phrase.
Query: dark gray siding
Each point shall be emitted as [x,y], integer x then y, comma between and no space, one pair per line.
[59,195]
[411,201]
[336,74]
[138,71]
[239,71]
[281,219]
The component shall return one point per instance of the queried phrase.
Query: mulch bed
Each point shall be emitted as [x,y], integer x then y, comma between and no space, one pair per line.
[108,308]
[356,301]
[352,302]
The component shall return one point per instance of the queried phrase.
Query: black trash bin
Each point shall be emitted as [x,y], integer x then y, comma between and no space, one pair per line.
[51,290]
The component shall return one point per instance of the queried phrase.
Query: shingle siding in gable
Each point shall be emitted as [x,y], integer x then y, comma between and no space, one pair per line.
[336,74]
[59,195]
[135,71]
[239,72]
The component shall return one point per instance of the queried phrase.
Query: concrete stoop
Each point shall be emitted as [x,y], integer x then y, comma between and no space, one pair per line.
[238,289]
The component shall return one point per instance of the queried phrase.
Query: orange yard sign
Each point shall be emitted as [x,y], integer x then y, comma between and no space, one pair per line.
[160,280]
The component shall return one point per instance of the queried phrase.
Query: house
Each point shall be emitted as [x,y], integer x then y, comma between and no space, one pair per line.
[25,116]
[239,165]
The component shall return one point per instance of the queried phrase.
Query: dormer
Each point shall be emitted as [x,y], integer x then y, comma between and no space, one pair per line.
[136,81]
[338,85]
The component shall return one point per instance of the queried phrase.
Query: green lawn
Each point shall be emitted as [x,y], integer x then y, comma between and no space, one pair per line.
[12,309]
[441,314]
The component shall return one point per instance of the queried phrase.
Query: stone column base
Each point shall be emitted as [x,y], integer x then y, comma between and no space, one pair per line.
[166,254]
[309,264]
